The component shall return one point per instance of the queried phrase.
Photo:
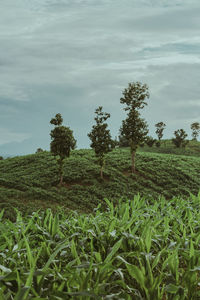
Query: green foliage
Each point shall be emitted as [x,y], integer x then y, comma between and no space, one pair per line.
[150,141]
[136,249]
[158,144]
[62,142]
[160,126]
[134,128]
[195,127]
[57,121]
[39,150]
[100,137]
[180,138]
[167,147]
[31,182]
[134,96]
[123,142]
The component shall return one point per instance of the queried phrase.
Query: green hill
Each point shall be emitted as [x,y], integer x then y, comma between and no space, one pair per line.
[167,147]
[31,182]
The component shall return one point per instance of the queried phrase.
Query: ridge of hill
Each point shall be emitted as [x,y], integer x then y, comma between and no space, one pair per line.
[31,182]
[167,147]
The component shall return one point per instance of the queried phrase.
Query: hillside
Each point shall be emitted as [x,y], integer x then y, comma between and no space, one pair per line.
[30,182]
[167,147]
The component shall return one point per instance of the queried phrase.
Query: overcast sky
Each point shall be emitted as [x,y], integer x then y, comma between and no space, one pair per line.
[70,56]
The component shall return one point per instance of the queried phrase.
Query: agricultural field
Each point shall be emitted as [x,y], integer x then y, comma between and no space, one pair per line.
[128,236]
[191,149]
[137,249]
[31,182]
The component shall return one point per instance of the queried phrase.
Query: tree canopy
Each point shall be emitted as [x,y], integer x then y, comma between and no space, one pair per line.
[62,142]
[100,137]
[180,138]
[195,130]
[134,128]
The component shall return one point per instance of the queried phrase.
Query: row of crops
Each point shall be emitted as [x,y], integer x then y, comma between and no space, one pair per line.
[137,250]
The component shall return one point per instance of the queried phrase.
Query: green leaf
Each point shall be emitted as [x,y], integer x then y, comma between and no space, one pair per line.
[137,274]
[53,255]
[5,270]
[113,251]
[148,238]
[55,225]
[9,277]
[78,294]
[191,249]
[172,289]
[21,295]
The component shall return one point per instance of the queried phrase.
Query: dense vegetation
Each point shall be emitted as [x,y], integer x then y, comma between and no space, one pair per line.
[192,148]
[31,182]
[142,243]
[139,249]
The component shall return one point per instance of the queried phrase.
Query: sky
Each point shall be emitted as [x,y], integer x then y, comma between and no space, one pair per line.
[71,56]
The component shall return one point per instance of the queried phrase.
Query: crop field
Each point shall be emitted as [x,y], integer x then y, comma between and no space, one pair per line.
[138,249]
[191,149]
[31,182]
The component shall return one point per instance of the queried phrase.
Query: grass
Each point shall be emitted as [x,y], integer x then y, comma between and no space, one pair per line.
[138,249]
[31,182]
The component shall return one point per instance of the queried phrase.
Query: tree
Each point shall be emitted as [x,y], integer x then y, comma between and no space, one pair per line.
[195,130]
[39,150]
[180,138]
[150,141]
[100,137]
[134,128]
[123,142]
[62,142]
[160,126]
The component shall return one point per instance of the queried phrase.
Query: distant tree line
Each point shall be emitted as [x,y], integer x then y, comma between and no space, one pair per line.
[132,133]
[179,140]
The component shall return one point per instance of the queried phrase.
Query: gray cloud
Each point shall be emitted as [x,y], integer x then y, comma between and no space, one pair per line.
[71,56]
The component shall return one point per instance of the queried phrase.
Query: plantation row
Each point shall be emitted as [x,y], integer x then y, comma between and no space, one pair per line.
[136,250]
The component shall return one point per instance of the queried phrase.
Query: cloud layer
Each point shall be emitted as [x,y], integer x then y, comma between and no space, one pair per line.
[72,56]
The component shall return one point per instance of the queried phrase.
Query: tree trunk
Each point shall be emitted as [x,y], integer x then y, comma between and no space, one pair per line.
[60,162]
[133,161]
[101,172]
[61,179]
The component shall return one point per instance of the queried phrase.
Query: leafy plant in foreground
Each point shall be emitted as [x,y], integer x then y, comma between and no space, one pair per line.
[138,249]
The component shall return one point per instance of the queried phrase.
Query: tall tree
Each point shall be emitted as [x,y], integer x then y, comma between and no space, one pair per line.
[195,130]
[180,138]
[160,126]
[100,137]
[134,128]
[62,142]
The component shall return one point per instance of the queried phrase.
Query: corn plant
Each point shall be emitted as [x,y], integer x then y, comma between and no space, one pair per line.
[136,249]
